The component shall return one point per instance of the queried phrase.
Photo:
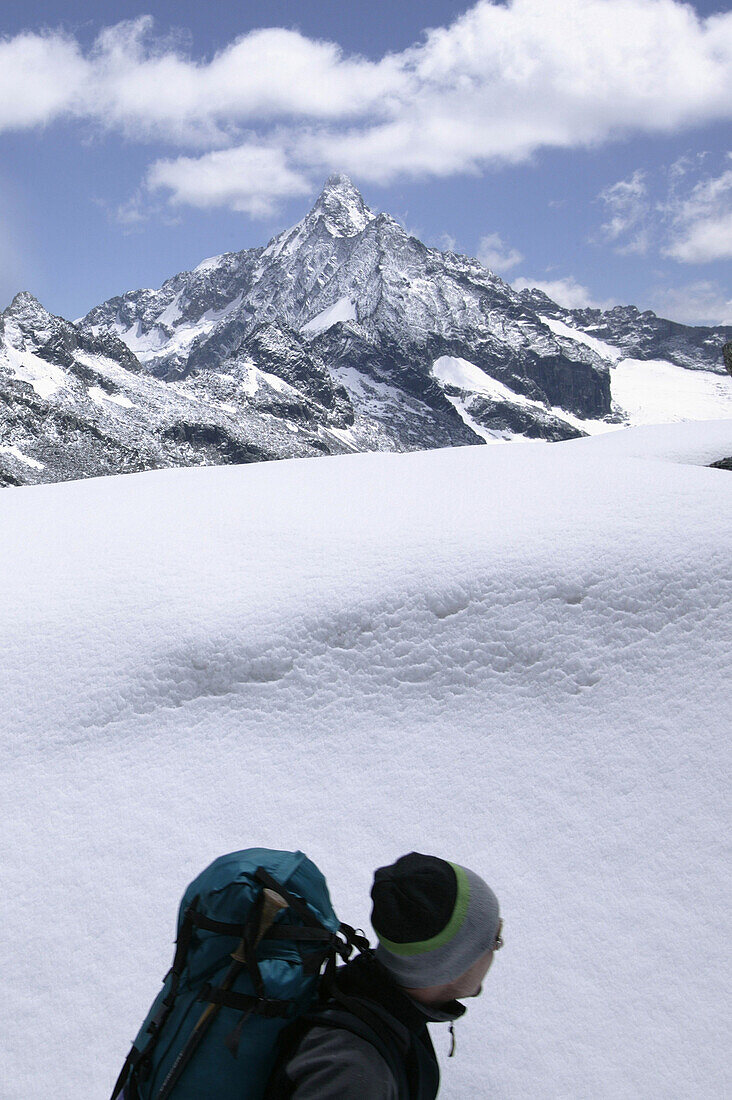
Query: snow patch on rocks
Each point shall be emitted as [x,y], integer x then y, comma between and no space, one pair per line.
[100,396]
[45,378]
[603,349]
[342,310]
[9,449]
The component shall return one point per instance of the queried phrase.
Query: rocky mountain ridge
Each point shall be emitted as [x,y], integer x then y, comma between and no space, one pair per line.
[344,333]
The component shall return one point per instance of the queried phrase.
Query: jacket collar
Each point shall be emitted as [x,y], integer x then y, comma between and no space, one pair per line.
[441,1014]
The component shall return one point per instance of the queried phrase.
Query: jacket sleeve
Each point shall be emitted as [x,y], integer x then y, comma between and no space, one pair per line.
[335,1064]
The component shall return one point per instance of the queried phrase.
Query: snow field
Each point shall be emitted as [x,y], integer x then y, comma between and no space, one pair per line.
[517,658]
[655,392]
[646,391]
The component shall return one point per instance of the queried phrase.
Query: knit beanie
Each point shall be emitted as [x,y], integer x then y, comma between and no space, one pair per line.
[433,919]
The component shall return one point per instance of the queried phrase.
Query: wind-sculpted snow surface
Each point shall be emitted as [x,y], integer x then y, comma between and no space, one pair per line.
[517,658]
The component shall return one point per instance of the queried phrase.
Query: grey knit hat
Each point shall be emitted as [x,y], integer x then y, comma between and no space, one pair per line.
[433,919]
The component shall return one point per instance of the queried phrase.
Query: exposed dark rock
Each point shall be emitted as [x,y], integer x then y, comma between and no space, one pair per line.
[503,416]
[727,355]
[641,335]
[323,342]
[210,441]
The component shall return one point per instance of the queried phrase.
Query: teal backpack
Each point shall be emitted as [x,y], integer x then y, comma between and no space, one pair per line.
[256,935]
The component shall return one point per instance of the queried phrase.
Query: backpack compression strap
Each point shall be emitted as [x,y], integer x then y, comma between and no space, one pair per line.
[261,916]
[136,1056]
[313,928]
[312,931]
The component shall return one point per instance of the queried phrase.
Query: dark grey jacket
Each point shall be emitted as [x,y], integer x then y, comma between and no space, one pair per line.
[334,1063]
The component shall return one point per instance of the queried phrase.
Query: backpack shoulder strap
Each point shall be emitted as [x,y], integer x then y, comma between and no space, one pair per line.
[356,1019]
[375,1030]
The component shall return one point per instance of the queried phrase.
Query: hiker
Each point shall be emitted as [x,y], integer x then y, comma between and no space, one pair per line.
[255,1005]
[438,927]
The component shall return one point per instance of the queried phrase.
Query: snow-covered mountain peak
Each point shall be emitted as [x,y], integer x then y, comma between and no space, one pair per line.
[25,306]
[25,318]
[344,333]
[23,300]
[341,207]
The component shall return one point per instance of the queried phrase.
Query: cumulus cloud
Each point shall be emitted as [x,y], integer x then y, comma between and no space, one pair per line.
[41,77]
[160,92]
[149,87]
[565,292]
[688,219]
[501,82]
[251,179]
[495,254]
[705,239]
[506,80]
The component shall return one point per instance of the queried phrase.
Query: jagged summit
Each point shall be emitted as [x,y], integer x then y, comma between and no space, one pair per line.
[26,318]
[338,183]
[339,209]
[342,208]
[343,334]
[22,302]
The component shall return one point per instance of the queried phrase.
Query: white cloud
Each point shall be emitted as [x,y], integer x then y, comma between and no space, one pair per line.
[702,222]
[688,220]
[251,179]
[628,207]
[501,82]
[495,254]
[708,238]
[699,303]
[150,88]
[40,77]
[565,292]
[506,80]
[133,213]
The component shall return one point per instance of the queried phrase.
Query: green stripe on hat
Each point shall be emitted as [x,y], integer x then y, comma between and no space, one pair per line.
[450,930]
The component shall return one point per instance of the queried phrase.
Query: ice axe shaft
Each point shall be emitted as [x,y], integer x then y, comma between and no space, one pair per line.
[272,903]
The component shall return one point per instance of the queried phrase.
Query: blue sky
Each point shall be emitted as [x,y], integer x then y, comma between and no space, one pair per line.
[580,145]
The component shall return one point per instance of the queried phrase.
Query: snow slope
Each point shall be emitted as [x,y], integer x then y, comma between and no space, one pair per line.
[517,658]
[342,310]
[655,391]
